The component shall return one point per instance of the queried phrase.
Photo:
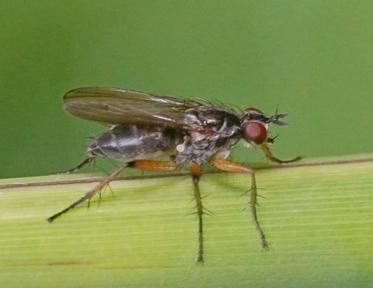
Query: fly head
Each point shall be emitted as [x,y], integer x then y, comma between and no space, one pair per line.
[254,125]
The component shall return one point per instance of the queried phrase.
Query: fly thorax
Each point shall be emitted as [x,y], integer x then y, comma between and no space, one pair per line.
[211,130]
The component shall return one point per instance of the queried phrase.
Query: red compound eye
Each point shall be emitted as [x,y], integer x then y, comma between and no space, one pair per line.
[255,132]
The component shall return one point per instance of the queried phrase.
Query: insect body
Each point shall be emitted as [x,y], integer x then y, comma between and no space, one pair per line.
[126,142]
[144,127]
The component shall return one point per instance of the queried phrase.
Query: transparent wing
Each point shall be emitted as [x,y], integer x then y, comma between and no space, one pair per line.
[122,106]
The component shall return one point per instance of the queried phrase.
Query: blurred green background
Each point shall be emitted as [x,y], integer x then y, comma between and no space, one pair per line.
[312,59]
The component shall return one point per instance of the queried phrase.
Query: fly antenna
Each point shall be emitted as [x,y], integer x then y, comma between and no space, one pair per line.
[278,118]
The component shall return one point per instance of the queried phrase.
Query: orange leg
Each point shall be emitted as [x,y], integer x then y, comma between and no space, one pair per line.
[230,166]
[89,194]
[196,174]
[152,165]
[139,164]
[272,158]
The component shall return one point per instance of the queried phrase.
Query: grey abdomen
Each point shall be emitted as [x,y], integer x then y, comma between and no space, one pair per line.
[131,142]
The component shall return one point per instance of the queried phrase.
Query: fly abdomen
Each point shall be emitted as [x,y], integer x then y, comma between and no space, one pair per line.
[131,142]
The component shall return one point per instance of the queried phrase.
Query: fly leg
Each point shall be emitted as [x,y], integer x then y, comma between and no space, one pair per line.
[140,164]
[196,174]
[152,165]
[89,194]
[230,166]
[77,167]
[271,157]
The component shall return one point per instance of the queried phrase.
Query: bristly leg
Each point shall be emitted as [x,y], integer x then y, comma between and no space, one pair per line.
[89,194]
[271,157]
[230,166]
[253,202]
[196,174]
[77,167]
[139,164]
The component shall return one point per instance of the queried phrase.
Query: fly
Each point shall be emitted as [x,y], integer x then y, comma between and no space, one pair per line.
[144,127]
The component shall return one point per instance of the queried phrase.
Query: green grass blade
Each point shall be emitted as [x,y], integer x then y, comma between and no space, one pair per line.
[318,221]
